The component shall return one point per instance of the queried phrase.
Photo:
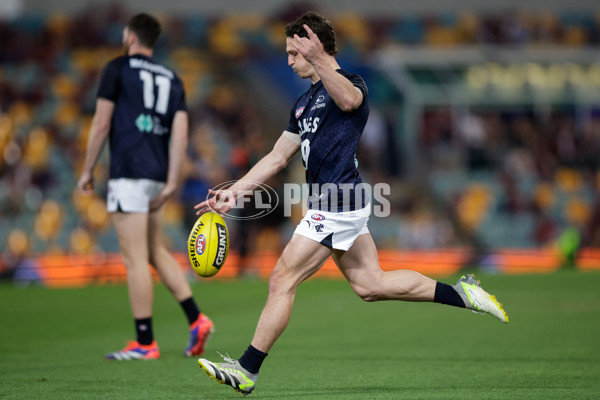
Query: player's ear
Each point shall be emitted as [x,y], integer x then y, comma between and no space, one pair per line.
[131,38]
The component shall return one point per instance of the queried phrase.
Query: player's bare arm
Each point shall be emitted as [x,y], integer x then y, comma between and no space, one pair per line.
[98,134]
[224,200]
[179,141]
[342,91]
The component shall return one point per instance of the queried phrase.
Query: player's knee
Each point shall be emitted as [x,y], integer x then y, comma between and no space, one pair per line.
[276,281]
[132,263]
[280,280]
[154,260]
[366,293]
[157,254]
[154,256]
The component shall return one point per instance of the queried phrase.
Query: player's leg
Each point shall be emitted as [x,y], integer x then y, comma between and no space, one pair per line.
[360,266]
[139,283]
[301,258]
[130,227]
[173,276]
[163,261]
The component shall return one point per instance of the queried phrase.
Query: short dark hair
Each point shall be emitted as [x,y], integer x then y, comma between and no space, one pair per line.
[146,27]
[321,26]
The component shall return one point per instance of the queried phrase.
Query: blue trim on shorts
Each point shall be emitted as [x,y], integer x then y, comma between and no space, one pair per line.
[328,241]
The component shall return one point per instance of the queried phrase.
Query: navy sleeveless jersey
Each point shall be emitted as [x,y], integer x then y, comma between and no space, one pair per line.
[146,95]
[329,140]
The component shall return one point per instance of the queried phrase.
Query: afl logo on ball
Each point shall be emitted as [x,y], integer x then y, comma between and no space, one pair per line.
[318,217]
[200,244]
[299,112]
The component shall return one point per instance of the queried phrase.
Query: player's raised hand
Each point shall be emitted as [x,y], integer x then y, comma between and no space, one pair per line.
[310,47]
[222,201]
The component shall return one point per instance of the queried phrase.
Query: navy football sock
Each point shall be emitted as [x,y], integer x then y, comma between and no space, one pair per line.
[191,310]
[446,294]
[252,359]
[143,328]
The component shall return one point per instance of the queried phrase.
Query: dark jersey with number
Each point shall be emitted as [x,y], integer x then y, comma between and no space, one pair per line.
[329,139]
[146,95]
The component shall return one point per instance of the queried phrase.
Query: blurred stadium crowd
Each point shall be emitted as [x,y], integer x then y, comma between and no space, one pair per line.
[507,177]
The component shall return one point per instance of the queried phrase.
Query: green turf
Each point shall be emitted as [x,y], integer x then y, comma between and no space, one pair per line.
[52,344]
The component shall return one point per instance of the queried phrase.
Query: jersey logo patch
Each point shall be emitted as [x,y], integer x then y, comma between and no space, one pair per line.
[318,217]
[320,99]
[299,112]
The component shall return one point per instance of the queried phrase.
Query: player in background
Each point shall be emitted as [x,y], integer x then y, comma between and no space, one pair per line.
[325,125]
[141,108]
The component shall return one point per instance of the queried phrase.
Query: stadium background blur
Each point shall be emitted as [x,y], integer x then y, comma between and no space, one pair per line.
[485,121]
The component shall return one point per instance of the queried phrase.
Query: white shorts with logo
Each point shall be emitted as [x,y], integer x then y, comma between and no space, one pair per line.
[131,195]
[334,230]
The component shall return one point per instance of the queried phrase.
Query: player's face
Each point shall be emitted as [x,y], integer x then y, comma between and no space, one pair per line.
[295,60]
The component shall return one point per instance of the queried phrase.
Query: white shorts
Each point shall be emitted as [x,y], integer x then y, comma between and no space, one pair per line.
[334,230]
[131,195]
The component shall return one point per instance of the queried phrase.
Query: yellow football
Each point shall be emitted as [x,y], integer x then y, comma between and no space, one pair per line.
[208,244]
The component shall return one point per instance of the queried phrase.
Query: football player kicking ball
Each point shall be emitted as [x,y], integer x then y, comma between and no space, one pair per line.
[326,124]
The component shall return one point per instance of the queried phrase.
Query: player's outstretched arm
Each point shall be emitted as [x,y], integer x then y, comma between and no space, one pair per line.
[98,133]
[224,200]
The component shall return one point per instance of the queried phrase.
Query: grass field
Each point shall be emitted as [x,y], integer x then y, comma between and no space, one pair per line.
[52,344]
